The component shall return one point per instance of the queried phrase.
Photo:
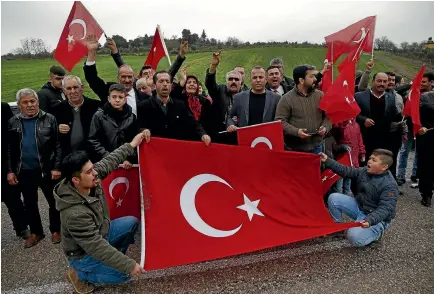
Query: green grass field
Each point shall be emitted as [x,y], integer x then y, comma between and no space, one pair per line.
[19,74]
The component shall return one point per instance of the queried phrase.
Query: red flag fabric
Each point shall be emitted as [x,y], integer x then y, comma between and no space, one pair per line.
[327,79]
[338,102]
[80,24]
[349,38]
[354,56]
[265,136]
[328,178]
[157,50]
[412,105]
[122,190]
[228,200]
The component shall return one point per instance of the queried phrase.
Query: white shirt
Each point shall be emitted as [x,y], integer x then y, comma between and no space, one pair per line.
[131,100]
[279,90]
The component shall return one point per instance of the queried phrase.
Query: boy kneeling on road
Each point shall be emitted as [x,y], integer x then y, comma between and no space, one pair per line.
[374,203]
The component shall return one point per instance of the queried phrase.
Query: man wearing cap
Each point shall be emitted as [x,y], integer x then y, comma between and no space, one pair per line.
[51,93]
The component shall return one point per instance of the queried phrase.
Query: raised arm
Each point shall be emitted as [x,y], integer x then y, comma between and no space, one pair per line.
[210,78]
[117,58]
[180,58]
[90,72]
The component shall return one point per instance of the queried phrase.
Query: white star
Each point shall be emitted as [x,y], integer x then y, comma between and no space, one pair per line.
[345,83]
[325,178]
[155,49]
[119,203]
[70,38]
[251,207]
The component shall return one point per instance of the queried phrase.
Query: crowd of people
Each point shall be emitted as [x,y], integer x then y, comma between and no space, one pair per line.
[59,133]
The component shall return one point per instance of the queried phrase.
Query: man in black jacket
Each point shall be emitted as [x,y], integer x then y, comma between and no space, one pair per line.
[287,82]
[51,93]
[169,118]
[101,88]
[74,116]
[222,97]
[34,158]
[10,195]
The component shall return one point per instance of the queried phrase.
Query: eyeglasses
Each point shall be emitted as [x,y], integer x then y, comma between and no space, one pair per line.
[233,79]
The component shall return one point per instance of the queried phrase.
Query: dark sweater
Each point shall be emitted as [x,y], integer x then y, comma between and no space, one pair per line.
[256,108]
[297,111]
[29,149]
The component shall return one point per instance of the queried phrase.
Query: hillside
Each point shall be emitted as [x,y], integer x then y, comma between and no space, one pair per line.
[18,74]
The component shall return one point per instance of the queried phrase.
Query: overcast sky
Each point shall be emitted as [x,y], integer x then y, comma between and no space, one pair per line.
[252,20]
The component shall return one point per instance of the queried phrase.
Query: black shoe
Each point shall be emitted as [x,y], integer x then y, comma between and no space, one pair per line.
[24,234]
[426,201]
[400,182]
[378,243]
[413,179]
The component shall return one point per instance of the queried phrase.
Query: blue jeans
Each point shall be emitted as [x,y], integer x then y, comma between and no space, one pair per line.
[344,186]
[338,203]
[120,236]
[403,159]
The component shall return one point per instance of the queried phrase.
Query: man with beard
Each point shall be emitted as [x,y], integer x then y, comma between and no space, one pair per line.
[378,110]
[101,88]
[304,124]
[275,82]
[242,71]
[166,117]
[398,127]
[94,246]
[74,116]
[222,96]
[255,106]
[51,93]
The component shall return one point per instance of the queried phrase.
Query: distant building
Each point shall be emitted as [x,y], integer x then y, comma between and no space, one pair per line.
[429,44]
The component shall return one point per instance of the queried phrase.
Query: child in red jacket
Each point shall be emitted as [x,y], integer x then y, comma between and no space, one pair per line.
[348,133]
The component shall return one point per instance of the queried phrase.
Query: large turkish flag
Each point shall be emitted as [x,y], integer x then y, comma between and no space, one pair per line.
[216,201]
[79,25]
[122,191]
[266,136]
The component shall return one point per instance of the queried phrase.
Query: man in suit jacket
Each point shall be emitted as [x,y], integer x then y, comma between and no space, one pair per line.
[74,116]
[255,106]
[378,110]
[101,88]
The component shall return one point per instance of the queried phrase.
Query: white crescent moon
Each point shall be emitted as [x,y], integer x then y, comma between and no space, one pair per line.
[262,140]
[188,206]
[362,36]
[82,23]
[116,181]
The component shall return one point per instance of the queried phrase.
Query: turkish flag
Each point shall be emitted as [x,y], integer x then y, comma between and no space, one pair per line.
[412,105]
[328,178]
[349,38]
[265,136]
[208,202]
[158,50]
[79,25]
[122,191]
[338,102]
[354,56]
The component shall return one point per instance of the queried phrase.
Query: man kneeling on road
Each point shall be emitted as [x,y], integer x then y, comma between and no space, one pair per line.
[94,245]
[374,204]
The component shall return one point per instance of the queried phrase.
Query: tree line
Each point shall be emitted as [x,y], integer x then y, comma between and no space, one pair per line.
[36,48]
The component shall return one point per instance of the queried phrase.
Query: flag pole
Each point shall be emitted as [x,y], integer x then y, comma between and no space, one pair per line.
[333,63]
[142,216]
[373,39]
[262,124]
[164,45]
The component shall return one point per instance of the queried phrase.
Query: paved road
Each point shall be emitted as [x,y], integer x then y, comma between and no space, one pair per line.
[404,264]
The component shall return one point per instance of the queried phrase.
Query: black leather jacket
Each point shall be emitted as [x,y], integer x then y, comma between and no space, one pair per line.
[47,142]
